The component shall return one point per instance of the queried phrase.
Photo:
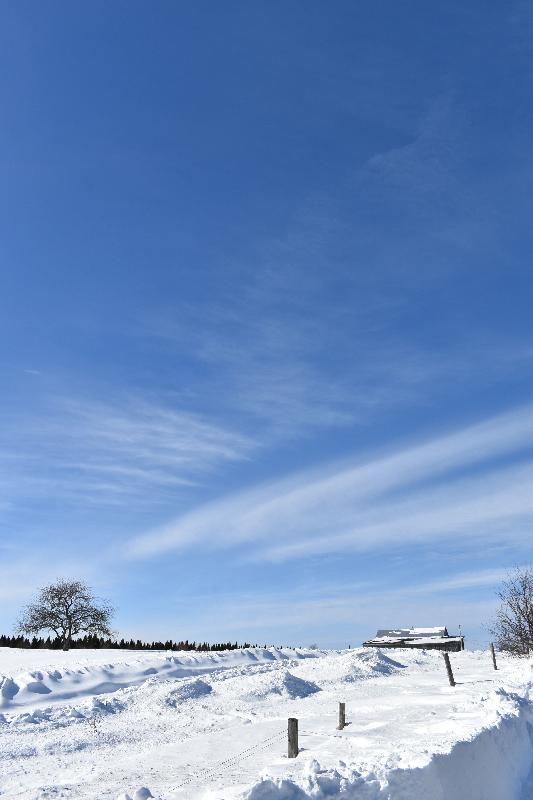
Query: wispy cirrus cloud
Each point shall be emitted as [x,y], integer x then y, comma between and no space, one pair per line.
[352,611]
[472,481]
[266,364]
[458,582]
[119,451]
[285,375]
[321,326]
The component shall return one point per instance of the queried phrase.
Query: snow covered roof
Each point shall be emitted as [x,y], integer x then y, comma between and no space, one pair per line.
[436,638]
[411,633]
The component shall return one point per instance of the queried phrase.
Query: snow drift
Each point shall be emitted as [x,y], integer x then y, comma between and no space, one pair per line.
[283,684]
[99,725]
[28,689]
[494,764]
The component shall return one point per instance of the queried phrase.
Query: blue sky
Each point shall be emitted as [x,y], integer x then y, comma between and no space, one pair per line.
[266,331]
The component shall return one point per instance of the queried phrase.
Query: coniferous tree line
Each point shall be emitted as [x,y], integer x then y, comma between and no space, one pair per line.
[93,642]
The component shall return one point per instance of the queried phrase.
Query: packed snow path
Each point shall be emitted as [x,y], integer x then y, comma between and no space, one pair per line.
[100,724]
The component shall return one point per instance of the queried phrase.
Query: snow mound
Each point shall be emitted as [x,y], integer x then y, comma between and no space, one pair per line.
[351,667]
[8,690]
[282,683]
[141,794]
[376,662]
[112,706]
[32,719]
[317,783]
[191,690]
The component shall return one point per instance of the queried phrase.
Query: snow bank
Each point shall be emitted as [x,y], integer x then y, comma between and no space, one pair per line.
[28,689]
[492,765]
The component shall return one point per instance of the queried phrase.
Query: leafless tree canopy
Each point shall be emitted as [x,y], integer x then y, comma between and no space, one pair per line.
[67,608]
[513,627]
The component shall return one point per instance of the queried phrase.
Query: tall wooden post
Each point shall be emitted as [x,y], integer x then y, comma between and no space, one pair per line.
[449,669]
[293,737]
[342,716]
[493,656]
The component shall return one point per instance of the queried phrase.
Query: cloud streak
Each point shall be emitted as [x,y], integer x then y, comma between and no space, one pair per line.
[357,609]
[473,480]
[114,452]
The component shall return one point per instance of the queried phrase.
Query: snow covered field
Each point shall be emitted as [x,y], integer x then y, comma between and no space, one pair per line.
[103,724]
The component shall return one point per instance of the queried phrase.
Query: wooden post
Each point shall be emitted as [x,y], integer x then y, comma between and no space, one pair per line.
[293,737]
[342,716]
[449,669]
[493,656]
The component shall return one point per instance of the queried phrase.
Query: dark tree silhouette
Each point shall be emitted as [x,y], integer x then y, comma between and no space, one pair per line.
[67,608]
[93,642]
[513,626]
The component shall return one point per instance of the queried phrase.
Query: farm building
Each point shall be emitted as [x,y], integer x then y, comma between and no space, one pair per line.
[419,638]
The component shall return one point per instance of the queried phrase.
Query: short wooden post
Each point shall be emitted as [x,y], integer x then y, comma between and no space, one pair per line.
[493,656]
[293,737]
[342,716]
[449,669]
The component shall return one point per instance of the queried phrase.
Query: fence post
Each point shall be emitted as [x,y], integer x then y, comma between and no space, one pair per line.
[342,716]
[449,669]
[493,655]
[293,737]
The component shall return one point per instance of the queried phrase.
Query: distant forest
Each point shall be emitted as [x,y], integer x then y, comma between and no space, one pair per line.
[96,642]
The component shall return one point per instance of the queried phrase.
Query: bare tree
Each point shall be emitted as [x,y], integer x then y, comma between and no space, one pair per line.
[513,626]
[67,608]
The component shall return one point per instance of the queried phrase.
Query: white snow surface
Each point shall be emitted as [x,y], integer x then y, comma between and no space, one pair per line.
[108,724]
